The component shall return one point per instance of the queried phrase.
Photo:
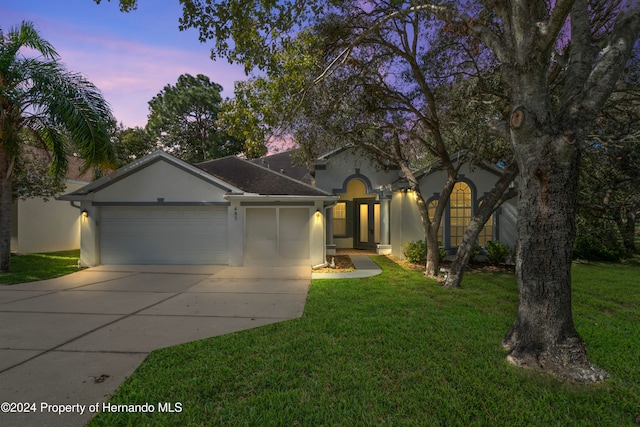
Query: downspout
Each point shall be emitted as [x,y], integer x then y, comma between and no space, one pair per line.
[72,203]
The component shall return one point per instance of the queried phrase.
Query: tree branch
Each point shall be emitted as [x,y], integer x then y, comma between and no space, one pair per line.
[550,29]
[445,13]
[610,64]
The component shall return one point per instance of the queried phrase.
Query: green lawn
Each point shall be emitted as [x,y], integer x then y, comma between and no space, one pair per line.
[27,268]
[398,350]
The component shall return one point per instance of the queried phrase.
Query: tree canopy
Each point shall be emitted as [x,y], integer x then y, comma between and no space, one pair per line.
[131,144]
[182,119]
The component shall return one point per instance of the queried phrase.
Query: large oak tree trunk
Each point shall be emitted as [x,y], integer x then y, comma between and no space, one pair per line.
[543,335]
[546,132]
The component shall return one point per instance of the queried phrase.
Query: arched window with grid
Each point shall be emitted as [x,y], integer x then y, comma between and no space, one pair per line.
[458,215]
[460,206]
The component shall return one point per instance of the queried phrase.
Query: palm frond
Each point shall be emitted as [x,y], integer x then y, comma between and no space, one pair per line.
[69,102]
[26,35]
[52,140]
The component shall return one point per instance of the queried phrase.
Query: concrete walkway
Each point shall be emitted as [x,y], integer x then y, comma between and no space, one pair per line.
[365,267]
[75,339]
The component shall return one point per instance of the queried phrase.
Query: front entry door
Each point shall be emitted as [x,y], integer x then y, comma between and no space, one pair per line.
[367,223]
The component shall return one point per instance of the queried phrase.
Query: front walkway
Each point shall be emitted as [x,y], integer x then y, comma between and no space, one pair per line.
[75,339]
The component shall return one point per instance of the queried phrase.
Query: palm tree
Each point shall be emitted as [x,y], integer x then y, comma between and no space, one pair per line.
[40,97]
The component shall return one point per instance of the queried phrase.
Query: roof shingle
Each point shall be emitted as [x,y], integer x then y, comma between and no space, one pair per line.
[252,178]
[285,164]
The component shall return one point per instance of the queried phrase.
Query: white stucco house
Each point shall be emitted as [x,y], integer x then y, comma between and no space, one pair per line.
[39,225]
[230,211]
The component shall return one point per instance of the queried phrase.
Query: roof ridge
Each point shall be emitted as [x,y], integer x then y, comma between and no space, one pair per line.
[216,159]
[287,177]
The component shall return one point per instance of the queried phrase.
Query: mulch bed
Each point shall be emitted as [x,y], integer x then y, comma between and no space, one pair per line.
[475,267]
[492,268]
[343,265]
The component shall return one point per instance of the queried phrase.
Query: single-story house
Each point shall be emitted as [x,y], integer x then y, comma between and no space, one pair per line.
[231,211]
[50,225]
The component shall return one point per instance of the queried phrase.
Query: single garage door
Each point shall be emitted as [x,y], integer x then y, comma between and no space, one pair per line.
[163,235]
[277,236]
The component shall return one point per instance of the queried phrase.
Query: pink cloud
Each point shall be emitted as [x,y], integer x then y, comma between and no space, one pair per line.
[130,73]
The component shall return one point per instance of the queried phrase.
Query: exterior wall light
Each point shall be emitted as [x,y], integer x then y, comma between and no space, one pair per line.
[85,213]
[318,214]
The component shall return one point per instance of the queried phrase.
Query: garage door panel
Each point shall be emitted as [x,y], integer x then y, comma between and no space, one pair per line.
[163,235]
[277,236]
[262,250]
[294,250]
[294,233]
[261,235]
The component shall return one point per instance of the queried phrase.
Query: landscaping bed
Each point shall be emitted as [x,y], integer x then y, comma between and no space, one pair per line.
[343,264]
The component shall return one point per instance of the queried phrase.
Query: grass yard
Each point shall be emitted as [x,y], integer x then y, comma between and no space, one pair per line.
[398,350]
[28,268]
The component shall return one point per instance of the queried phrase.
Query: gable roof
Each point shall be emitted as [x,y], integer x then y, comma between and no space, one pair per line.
[455,158]
[158,156]
[362,151]
[252,178]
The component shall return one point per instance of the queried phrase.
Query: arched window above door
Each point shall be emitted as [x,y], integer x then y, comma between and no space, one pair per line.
[343,210]
[460,206]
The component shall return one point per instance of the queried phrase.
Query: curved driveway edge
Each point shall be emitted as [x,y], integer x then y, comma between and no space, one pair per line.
[75,339]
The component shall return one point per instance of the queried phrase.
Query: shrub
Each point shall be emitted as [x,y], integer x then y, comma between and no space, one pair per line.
[415,252]
[475,251]
[597,241]
[497,252]
[442,252]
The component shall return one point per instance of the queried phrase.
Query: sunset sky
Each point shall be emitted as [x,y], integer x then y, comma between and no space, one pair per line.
[130,57]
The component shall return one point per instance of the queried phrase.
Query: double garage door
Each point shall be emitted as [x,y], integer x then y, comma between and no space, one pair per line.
[277,236]
[163,235]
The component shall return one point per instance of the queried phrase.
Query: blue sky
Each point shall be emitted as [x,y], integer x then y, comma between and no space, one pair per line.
[129,56]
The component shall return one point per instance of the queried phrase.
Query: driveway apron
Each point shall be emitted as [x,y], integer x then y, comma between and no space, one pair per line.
[67,344]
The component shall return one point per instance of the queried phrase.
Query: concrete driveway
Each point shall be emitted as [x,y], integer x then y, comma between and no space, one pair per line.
[75,339]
